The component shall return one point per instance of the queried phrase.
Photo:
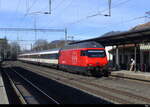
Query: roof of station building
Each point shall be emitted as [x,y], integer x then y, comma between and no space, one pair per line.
[127,37]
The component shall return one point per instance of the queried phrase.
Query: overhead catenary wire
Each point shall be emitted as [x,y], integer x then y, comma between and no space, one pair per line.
[63,1]
[35,13]
[49,11]
[58,6]
[118,23]
[98,14]
[0,4]
[79,19]
[50,6]
[32,29]
[28,10]
[109,2]
[111,7]
[27,5]
[18,5]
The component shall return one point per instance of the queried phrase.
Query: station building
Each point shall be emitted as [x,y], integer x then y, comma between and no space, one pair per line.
[126,52]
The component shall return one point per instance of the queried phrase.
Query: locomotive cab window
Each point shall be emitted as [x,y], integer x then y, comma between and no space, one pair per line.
[83,53]
[96,53]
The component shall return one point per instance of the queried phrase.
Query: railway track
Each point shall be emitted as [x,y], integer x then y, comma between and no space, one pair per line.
[117,96]
[26,91]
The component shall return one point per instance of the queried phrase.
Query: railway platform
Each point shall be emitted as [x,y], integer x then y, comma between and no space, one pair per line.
[143,76]
[3,95]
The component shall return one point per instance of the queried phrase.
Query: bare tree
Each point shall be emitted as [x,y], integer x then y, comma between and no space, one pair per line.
[4,47]
[40,45]
[14,50]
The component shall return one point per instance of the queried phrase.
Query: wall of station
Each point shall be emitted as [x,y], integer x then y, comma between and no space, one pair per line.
[123,55]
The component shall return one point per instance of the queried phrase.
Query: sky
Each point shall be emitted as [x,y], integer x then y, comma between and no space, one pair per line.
[70,14]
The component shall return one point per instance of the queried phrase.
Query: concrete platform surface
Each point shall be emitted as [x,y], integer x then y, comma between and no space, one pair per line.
[3,95]
[133,75]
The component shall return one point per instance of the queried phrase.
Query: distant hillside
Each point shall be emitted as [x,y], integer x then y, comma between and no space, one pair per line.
[142,26]
[60,41]
[111,33]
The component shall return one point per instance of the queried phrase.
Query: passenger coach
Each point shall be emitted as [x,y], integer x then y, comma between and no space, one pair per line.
[49,57]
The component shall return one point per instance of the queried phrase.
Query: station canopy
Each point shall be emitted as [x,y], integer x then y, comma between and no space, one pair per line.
[128,37]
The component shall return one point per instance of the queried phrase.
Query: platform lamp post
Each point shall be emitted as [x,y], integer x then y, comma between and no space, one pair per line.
[135,57]
[109,4]
[50,6]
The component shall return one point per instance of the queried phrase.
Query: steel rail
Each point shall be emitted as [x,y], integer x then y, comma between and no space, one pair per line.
[37,88]
[111,98]
[19,95]
[107,88]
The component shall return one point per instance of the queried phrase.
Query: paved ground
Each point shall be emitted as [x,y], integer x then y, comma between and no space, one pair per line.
[137,88]
[3,95]
[133,87]
[62,93]
[131,74]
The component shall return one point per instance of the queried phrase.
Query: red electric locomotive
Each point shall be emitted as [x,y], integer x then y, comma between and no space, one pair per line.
[88,58]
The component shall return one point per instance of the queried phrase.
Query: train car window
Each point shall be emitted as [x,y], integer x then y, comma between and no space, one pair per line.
[33,56]
[49,56]
[54,56]
[42,56]
[96,53]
